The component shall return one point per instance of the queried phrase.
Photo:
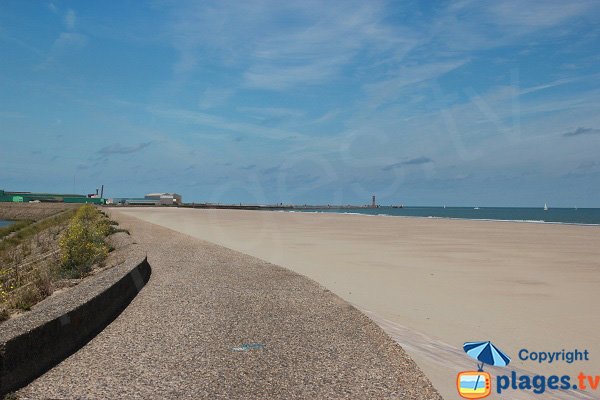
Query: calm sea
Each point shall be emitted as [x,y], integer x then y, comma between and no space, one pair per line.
[5,223]
[586,216]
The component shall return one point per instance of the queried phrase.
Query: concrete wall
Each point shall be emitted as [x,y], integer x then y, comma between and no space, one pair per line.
[27,353]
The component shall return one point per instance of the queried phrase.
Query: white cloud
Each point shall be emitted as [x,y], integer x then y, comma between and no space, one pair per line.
[279,77]
[313,46]
[389,89]
[327,116]
[70,19]
[66,42]
[280,46]
[204,119]
[511,15]
[475,25]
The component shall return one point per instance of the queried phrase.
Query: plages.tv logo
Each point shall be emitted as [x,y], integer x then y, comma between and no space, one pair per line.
[478,384]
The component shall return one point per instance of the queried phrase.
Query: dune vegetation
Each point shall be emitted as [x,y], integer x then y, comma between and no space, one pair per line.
[37,258]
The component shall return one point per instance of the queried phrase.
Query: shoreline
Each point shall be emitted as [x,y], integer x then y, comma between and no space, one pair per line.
[520,221]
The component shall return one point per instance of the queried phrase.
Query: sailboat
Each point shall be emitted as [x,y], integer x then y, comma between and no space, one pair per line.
[545,207]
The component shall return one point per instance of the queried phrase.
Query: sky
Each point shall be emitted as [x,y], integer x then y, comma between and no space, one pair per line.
[487,103]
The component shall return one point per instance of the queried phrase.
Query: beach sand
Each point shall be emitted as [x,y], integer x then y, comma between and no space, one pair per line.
[433,284]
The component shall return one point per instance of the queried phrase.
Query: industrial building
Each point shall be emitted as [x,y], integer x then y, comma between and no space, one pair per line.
[151,199]
[164,198]
[26,197]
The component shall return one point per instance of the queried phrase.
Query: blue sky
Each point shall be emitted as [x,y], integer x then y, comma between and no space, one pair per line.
[424,103]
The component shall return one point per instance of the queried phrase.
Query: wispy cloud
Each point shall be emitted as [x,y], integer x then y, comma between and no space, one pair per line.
[327,116]
[327,43]
[215,121]
[11,114]
[413,161]
[65,43]
[214,97]
[312,49]
[512,15]
[582,131]
[291,91]
[120,149]
[284,77]
[271,116]
[476,25]
[69,40]
[70,19]
[550,85]
[272,111]
[271,170]
[390,89]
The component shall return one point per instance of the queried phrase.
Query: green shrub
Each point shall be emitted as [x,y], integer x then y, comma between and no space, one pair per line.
[82,244]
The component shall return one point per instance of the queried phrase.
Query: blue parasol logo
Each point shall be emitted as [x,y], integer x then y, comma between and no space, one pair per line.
[487,353]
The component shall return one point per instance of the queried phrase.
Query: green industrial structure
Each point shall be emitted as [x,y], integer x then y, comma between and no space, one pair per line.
[25,197]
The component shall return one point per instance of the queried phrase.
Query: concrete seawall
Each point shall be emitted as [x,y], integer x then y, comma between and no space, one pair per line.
[35,342]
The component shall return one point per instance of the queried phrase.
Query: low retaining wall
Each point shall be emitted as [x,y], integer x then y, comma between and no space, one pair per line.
[31,346]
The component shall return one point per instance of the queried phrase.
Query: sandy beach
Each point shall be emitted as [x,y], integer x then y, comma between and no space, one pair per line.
[433,284]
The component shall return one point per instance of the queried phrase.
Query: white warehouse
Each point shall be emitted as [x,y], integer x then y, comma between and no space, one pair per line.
[164,198]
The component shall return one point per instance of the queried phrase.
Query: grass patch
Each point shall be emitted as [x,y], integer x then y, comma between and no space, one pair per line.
[113,226]
[18,225]
[31,229]
[26,297]
[4,315]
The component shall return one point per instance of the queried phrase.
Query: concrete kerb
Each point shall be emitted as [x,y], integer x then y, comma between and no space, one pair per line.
[35,342]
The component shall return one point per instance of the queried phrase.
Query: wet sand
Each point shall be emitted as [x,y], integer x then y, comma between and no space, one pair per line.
[433,284]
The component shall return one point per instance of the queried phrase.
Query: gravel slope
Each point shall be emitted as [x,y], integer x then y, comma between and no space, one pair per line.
[183,336]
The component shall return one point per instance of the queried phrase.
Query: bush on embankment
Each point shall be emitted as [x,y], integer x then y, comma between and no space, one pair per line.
[45,255]
[82,244]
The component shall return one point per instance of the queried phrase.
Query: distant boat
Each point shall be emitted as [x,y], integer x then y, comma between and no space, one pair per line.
[476,208]
[545,207]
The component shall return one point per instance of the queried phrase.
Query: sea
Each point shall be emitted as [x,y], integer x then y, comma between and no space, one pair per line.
[577,216]
[5,223]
